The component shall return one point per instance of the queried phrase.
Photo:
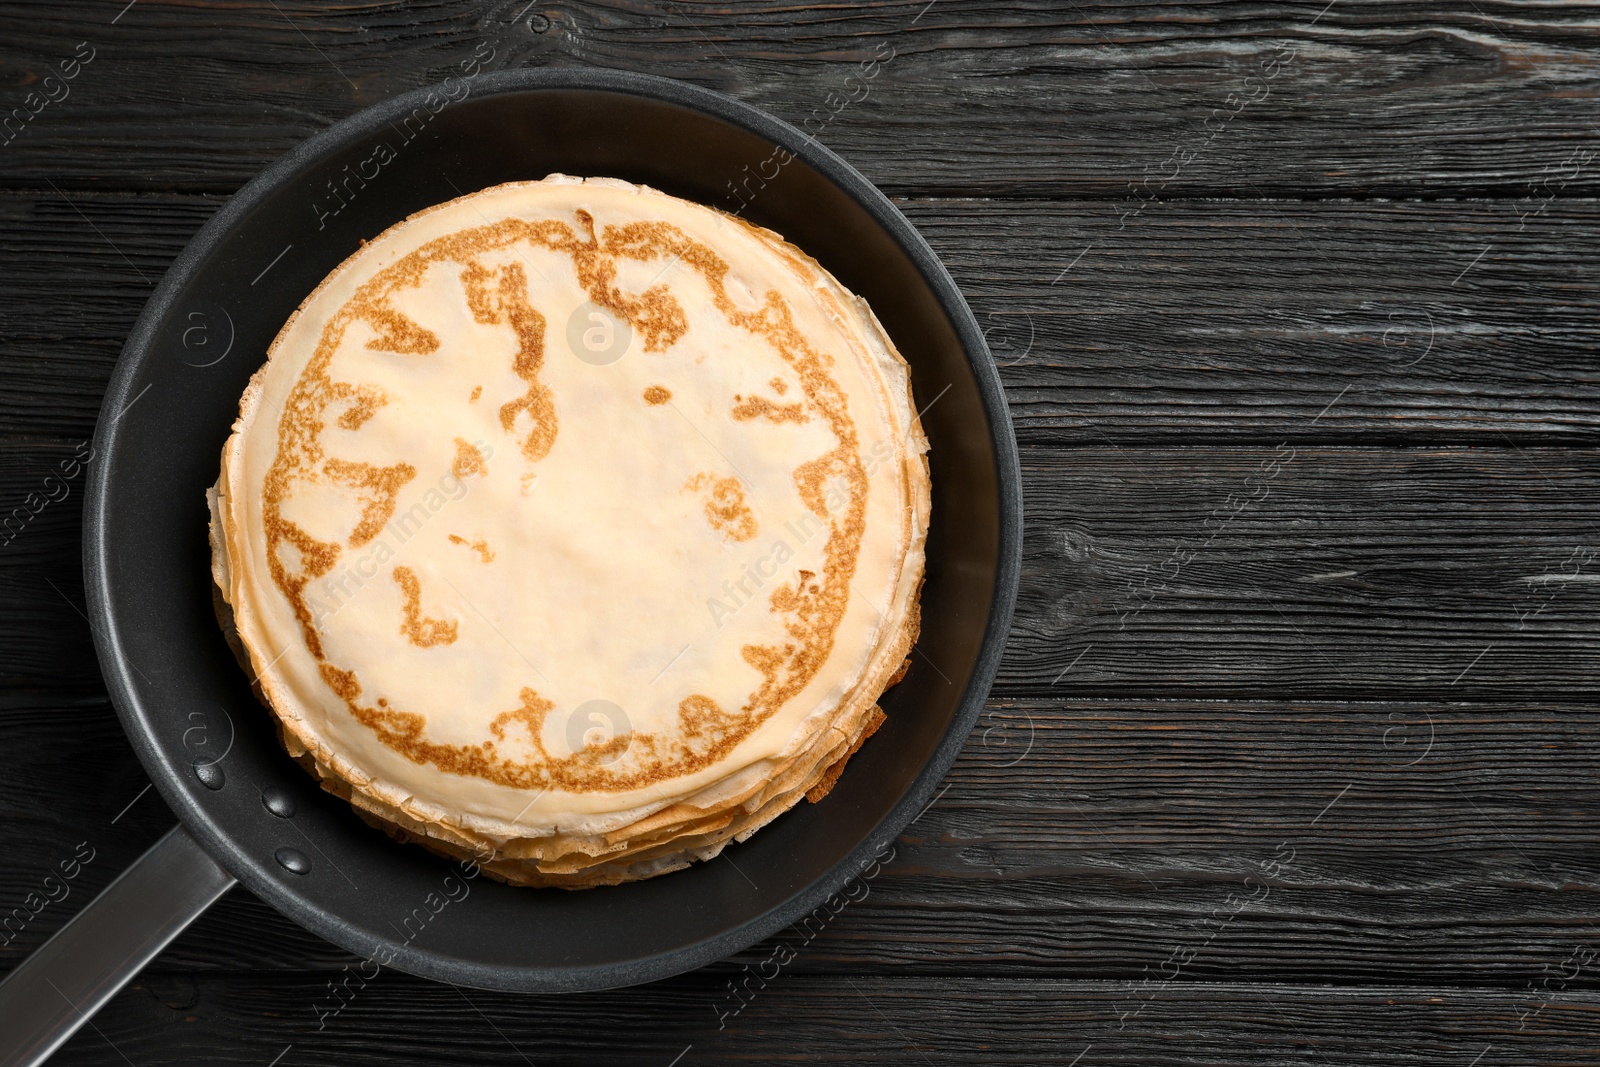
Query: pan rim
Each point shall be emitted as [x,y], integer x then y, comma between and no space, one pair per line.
[221,846]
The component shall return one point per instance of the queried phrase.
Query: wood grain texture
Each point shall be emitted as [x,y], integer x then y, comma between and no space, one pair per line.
[1300,570]
[44,631]
[1084,839]
[1291,759]
[982,98]
[1269,320]
[1224,572]
[881,1020]
[1206,320]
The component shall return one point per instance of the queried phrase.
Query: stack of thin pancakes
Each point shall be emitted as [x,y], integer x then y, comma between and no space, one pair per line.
[575,529]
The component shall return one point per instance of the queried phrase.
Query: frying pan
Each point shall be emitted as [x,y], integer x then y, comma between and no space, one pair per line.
[246,812]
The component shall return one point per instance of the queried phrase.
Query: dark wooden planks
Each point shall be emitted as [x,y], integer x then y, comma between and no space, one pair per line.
[881,1020]
[1300,570]
[1208,320]
[1272,320]
[1448,844]
[981,98]
[1085,845]
[1283,570]
[44,631]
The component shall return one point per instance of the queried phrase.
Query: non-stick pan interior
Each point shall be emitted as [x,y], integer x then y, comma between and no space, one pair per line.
[187,705]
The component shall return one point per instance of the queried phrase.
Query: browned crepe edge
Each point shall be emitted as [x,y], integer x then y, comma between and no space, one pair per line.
[653,854]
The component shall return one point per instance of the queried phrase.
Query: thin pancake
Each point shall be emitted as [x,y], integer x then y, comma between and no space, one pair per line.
[577,525]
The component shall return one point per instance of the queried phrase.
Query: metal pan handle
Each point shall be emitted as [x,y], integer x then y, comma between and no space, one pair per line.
[55,990]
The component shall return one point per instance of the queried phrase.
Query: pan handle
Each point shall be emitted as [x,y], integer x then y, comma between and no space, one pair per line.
[54,991]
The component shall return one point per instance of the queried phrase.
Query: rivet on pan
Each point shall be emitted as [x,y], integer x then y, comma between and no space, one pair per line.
[293,860]
[210,775]
[277,800]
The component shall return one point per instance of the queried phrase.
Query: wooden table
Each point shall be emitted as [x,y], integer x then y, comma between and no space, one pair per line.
[1296,308]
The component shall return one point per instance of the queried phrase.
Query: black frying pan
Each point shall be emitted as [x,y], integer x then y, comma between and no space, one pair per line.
[247,812]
